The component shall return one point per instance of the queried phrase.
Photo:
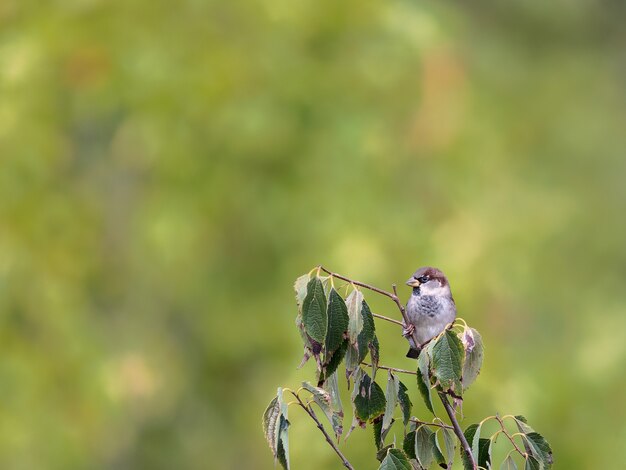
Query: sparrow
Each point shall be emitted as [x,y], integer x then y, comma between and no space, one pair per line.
[429,309]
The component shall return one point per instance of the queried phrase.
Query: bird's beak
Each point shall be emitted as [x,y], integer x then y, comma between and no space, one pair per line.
[412,282]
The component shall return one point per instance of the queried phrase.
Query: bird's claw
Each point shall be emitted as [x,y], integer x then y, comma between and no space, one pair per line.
[408,330]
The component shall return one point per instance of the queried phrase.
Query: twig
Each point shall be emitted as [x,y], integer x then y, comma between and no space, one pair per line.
[382,317]
[392,369]
[311,413]
[444,399]
[417,421]
[457,428]
[509,437]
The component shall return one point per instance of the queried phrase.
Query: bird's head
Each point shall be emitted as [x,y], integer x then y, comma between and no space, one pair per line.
[429,281]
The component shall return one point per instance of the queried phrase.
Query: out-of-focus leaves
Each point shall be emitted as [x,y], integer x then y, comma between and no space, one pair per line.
[395,460]
[314,314]
[447,361]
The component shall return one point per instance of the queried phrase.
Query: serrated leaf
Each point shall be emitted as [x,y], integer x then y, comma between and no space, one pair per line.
[540,449]
[275,428]
[449,440]
[484,453]
[314,314]
[423,379]
[337,322]
[300,287]
[437,451]
[323,399]
[424,446]
[405,403]
[469,433]
[508,464]
[395,460]
[391,396]
[354,303]
[370,400]
[382,453]
[475,442]
[522,424]
[355,391]
[474,352]
[377,427]
[409,444]
[332,387]
[332,363]
[374,348]
[270,424]
[532,463]
[447,361]
[367,334]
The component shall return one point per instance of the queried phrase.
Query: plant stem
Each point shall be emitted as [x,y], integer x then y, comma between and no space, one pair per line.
[457,429]
[415,420]
[391,320]
[444,399]
[311,413]
[510,438]
[392,369]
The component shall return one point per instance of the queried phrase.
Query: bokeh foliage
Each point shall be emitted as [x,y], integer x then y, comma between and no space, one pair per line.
[168,168]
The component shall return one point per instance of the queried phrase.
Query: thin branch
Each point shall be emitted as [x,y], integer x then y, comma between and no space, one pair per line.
[457,429]
[444,399]
[391,320]
[417,421]
[311,413]
[392,369]
[509,437]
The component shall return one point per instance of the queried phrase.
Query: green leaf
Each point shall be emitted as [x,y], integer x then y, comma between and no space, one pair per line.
[437,452]
[374,348]
[532,463]
[332,363]
[300,286]
[377,427]
[395,460]
[409,444]
[332,387]
[314,315]
[424,446]
[469,433]
[522,424]
[540,449]
[354,303]
[449,440]
[391,396]
[355,391]
[405,403]
[337,322]
[270,423]
[367,334]
[275,427]
[323,399]
[447,361]
[475,442]
[423,379]
[382,453]
[508,464]
[369,402]
[474,352]
[484,453]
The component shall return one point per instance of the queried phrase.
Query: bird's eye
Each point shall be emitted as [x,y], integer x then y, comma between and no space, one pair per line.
[423,279]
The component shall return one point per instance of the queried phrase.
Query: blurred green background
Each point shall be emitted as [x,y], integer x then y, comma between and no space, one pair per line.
[167,169]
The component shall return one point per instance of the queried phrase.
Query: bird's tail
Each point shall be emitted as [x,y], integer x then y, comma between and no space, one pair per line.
[413,353]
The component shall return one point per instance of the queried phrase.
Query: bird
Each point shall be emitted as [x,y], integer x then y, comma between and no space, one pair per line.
[429,309]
